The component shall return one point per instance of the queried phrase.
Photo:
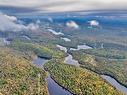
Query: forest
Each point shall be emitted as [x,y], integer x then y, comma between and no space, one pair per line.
[19,76]
[107,56]
[79,81]
[103,64]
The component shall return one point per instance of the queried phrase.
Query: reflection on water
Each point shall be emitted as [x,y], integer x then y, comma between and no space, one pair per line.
[40,61]
[79,47]
[66,39]
[62,48]
[55,89]
[54,32]
[114,83]
[26,37]
[69,60]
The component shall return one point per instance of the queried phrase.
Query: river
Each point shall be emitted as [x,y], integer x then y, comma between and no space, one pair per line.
[62,48]
[53,87]
[79,47]
[114,83]
[69,60]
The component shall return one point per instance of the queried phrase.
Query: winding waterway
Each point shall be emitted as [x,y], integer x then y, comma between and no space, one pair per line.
[69,60]
[62,48]
[53,87]
[26,37]
[79,47]
[66,39]
[114,83]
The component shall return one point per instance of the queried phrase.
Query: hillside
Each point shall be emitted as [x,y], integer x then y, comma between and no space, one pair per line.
[19,77]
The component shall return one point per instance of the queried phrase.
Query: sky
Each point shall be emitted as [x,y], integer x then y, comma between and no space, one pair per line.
[66,5]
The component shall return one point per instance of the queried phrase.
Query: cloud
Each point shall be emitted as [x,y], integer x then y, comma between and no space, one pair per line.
[32,27]
[93,23]
[50,19]
[12,18]
[10,23]
[38,22]
[67,5]
[72,24]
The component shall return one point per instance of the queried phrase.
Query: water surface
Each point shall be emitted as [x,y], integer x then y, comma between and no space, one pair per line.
[54,32]
[62,48]
[40,61]
[79,47]
[69,60]
[26,37]
[53,87]
[114,83]
[66,39]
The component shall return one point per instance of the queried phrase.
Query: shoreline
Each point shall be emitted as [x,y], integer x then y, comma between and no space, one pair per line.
[49,75]
[66,89]
[105,74]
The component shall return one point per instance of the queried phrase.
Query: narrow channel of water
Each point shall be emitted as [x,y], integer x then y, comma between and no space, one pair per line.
[66,39]
[39,62]
[53,87]
[54,32]
[79,47]
[69,59]
[114,83]
[26,37]
[62,48]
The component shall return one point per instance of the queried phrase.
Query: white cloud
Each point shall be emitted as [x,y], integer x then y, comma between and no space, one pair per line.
[72,24]
[50,19]
[32,27]
[12,18]
[38,22]
[93,23]
[67,5]
[10,23]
